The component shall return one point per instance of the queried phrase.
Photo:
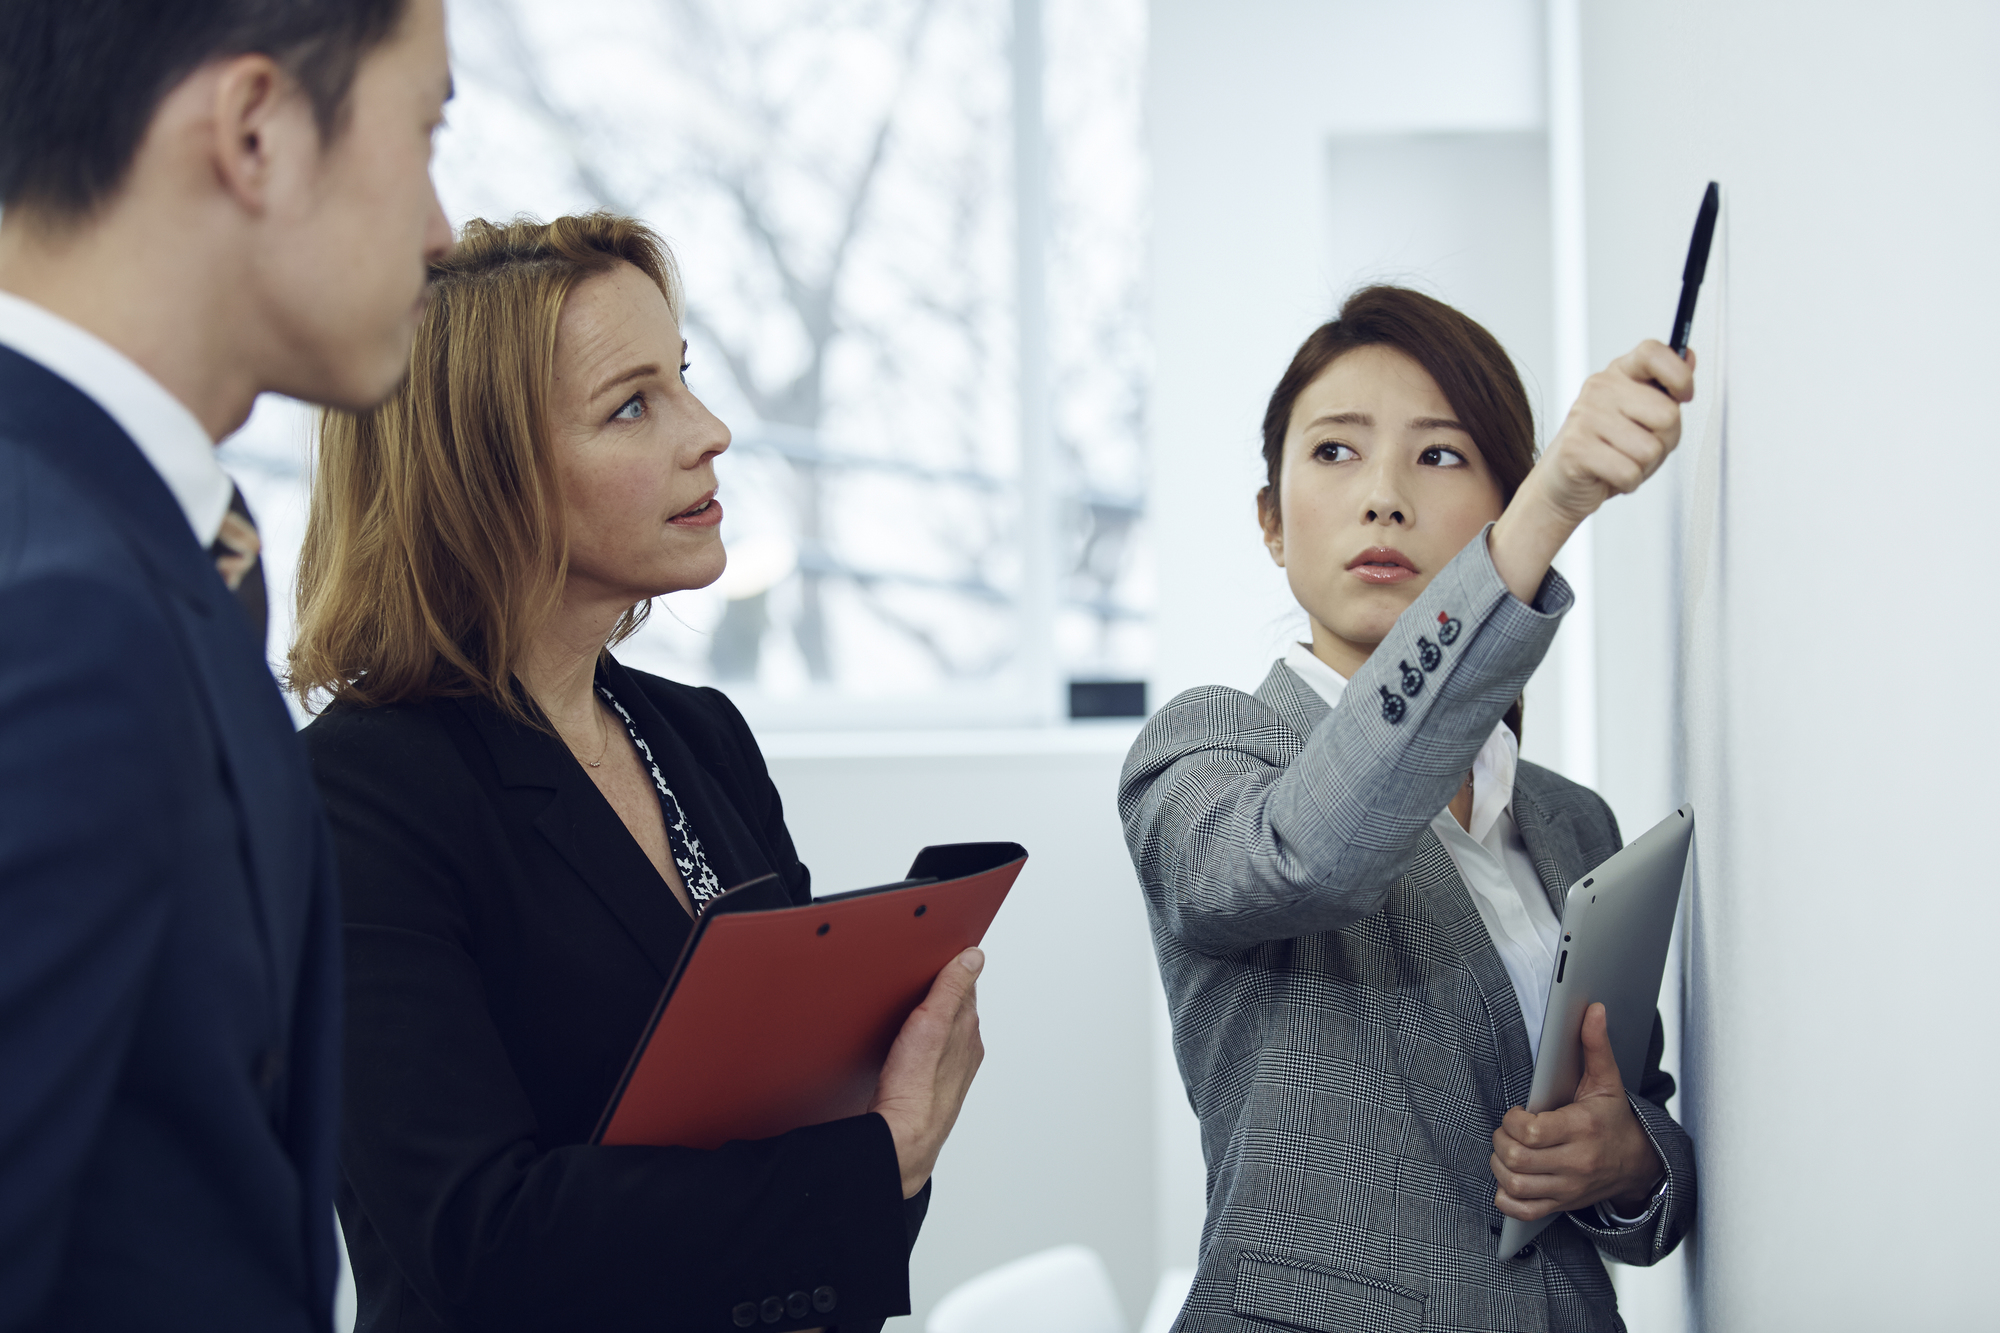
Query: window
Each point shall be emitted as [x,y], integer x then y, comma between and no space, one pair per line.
[916,303]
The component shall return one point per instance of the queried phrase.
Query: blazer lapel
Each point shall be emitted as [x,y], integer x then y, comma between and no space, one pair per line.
[1551,846]
[589,836]
[260,755]
[584,830]
[266,769]
[1445,899]
[695,763]
[1445,903]
[1449,905]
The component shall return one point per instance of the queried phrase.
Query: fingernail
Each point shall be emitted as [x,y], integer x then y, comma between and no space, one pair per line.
[974,960]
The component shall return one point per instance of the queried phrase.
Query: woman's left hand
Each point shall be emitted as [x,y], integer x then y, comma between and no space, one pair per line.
[930,1069]
[1588,1152]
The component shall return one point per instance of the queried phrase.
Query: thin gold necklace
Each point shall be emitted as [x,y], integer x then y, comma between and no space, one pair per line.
[603,730]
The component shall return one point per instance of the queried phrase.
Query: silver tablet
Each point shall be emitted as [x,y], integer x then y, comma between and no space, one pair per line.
[1617,923]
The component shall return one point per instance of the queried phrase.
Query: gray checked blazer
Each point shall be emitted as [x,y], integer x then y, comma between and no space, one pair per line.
[1346,1031]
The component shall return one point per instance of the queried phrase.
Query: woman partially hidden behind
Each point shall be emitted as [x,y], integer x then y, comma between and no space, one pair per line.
[1355,883]
[527,830]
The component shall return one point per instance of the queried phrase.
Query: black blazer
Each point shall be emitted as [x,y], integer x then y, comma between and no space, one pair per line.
[169,976]
[507,941]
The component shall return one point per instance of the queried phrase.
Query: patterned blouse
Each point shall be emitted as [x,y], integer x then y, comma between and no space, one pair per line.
[702,885]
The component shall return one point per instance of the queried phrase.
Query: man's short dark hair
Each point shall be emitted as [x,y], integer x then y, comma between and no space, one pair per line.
[81,79]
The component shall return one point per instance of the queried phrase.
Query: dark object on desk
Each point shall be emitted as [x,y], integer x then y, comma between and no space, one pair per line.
[1695,268]
[781,1017]
[1107,698]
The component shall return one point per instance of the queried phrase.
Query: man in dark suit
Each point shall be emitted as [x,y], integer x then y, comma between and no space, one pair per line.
[203,200]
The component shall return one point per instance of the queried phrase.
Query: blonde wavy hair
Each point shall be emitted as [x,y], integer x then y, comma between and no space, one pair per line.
[434,544]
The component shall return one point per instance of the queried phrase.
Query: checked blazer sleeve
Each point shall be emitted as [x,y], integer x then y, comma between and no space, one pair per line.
[1243,843]
[1667,1219]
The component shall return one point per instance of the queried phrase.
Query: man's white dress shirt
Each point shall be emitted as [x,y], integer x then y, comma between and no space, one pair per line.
[166,432]
[1490,856]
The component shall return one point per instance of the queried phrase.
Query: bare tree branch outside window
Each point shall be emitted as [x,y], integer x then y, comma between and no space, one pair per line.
[835,179]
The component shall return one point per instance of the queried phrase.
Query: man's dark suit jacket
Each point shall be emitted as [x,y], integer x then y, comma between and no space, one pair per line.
[507,941]
[168,932]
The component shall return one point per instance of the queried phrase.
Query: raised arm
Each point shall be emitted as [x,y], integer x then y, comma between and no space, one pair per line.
[1623,425]
[1239,842]
[1241,836]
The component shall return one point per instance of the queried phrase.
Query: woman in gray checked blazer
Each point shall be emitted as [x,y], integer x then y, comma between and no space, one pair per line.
[1355,884]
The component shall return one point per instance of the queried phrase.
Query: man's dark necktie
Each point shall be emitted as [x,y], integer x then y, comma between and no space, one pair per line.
[236,550]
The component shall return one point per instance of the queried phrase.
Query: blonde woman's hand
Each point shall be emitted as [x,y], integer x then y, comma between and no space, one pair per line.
[1621,429]
[930,1069]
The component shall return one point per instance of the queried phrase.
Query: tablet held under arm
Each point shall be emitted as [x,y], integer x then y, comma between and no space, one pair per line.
[1617,923]
[781,1018]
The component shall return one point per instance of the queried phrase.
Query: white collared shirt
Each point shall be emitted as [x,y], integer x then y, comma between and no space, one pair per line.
[166,432]
[1490,856]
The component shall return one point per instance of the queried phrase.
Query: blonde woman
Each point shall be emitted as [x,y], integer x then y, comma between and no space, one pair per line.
[527,831]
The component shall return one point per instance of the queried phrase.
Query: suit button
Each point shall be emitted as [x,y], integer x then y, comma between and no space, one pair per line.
[774,1309]
[744,1314]
[797,1304]
[824,1298]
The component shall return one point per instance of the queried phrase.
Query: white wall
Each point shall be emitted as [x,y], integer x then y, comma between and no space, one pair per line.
[1055,1144]
[1463,216]
[1243,103]
[1795,629]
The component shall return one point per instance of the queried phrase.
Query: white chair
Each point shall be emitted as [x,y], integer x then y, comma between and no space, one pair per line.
[1169,1295]
[1064,1290]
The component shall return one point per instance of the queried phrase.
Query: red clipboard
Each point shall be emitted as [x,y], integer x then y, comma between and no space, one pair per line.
[781,1018]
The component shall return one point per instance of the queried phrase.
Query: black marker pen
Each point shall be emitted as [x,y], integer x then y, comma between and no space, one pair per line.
[1697,265]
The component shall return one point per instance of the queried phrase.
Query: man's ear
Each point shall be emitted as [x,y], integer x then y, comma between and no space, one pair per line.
[1273,526]
[255,121]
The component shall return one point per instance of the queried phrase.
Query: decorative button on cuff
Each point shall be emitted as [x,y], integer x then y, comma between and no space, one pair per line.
[824,1299]
[1413,679]
[744,1314]
[774,1309]
[1429,653]
[1447,629]
[1393,708]
[797,1304]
